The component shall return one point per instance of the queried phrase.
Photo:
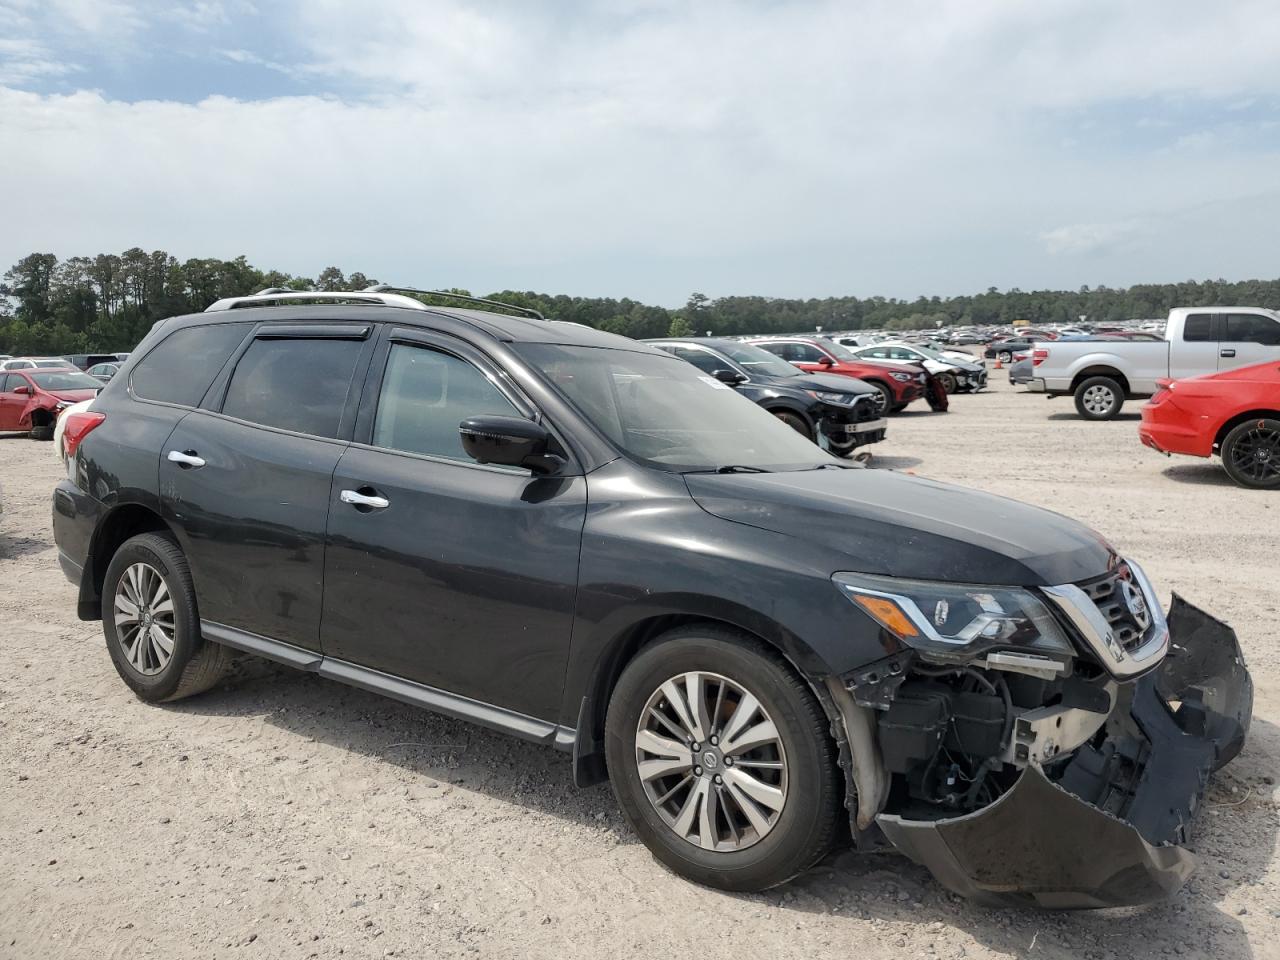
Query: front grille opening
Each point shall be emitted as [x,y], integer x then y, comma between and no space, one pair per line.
[1108,595]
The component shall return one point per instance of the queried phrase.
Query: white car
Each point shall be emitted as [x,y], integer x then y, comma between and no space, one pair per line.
[956,375]
[32,363]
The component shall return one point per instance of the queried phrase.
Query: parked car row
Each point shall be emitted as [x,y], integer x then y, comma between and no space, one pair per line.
[765,649]
[32,398]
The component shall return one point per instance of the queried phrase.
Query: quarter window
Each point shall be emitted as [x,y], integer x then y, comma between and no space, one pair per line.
[1198,328]
[425,395]
[299,385]
[1252,328]
[181,367]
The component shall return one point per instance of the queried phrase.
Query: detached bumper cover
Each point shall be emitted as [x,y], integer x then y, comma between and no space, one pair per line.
[1101,827]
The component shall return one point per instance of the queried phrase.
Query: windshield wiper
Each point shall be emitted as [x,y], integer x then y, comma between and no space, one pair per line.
[732,468]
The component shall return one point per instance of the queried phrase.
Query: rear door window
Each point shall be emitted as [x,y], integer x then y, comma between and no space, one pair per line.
[294,384]
[804,353]
[1198,328]
[1252,328]
[181,367]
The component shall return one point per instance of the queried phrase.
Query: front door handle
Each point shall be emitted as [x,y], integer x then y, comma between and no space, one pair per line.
[185,459]
[1227,353]
[358,499]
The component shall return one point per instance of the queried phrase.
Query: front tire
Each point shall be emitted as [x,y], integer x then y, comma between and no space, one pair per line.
[747,810]
[949,384]
[795,422]
[1099,398]
[884,397]
[1251,453]
[151,625]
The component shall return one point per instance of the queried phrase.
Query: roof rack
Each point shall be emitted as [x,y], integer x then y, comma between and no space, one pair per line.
[278,294]
[388,288]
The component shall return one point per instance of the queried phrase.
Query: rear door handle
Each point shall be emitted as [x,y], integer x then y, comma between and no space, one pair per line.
[358,499]
[185,459]
[1227,353]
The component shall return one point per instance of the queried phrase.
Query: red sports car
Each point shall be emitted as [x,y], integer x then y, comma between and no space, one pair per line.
[32,399]
[896,383]
[1235,414]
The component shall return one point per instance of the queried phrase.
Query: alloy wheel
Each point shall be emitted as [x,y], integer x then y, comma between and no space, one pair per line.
[1256,455]
[1098,400]
[711,761]
[144,618]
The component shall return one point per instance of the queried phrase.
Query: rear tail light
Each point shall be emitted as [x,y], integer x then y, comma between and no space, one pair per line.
[78,426]
[1038,357]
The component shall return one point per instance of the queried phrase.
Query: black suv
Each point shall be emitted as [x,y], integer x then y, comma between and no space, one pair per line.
[837,413]
[575,538]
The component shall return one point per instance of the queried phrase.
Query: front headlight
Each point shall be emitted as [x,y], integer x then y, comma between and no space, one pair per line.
[844,399]
[950,621]
[901,377]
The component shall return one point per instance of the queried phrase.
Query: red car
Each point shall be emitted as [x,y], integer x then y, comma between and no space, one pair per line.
[897,383]
[1235,414]
[32,399]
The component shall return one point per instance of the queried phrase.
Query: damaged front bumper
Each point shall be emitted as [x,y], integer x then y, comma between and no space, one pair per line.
[1102,826]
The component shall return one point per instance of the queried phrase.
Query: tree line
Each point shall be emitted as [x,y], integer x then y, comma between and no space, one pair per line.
[108,303]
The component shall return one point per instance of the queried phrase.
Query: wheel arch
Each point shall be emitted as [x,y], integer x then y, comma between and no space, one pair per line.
[623,645]
[1100,370]
[1238,419]
[782,405]
[118,525]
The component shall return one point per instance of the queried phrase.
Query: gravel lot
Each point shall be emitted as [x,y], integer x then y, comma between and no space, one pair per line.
[282,815]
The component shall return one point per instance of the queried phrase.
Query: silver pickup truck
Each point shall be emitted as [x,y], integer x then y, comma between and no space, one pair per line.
[1102,374]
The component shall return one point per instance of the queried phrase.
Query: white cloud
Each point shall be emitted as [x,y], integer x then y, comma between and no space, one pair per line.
[655,148]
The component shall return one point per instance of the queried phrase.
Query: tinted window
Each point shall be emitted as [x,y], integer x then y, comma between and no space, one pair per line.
[425,395]
[758,361]
[803,353]
[298,385]
[5,385]
[181,367]
[701,359]
[1198,328]
[1252,328]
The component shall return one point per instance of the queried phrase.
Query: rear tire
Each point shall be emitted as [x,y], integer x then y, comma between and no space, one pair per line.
[1005,356]
[1099,398]
[148,604]
[1251,453]
[736,846]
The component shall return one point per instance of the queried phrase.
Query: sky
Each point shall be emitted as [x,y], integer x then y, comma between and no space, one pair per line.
[651,149]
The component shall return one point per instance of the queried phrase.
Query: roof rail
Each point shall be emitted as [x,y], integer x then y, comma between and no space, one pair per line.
[387,287]
[280,294]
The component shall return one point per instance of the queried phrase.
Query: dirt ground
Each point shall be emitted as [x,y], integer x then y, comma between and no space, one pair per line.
[282,815]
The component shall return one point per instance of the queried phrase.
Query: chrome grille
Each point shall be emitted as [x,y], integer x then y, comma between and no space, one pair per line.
[1120,601]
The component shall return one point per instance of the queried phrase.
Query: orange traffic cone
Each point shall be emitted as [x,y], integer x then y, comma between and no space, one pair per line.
[999,365]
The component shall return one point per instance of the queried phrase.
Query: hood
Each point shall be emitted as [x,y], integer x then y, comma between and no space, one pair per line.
[72,396]
[901,526]
[833,382]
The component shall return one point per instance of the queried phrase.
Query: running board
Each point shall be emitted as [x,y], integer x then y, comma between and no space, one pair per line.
[397,688]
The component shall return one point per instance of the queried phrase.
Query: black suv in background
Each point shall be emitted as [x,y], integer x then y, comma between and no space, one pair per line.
[577,539]
[837,413]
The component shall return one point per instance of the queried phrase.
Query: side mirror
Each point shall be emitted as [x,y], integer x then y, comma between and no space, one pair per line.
[22,390]
[509,441]
[825,361]
[731,377]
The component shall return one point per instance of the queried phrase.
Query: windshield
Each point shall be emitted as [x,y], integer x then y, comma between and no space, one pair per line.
[65,381]
[758,361]
[835,349]
[669,414]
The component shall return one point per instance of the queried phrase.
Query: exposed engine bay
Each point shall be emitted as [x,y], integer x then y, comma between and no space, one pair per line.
[1016,782]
